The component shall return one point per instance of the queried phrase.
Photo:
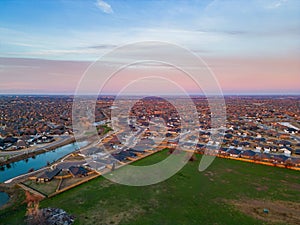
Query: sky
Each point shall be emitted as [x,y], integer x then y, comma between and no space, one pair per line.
[252,47]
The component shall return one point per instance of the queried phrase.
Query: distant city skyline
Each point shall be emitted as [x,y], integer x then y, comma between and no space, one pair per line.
[253,47]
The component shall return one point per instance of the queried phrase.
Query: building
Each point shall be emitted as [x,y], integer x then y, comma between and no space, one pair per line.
[78,171]
[48,175]
[234,152]
[248,154]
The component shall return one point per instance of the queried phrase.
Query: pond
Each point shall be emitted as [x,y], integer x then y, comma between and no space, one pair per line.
[24,166]
[4,197]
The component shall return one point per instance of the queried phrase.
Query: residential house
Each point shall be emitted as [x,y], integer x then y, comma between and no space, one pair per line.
[248,154]
[234,152]
[78,171]
[48,175]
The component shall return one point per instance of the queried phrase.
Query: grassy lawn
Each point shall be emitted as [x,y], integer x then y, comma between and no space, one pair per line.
[66,182]
[215,196]
[45,188]
[104,129]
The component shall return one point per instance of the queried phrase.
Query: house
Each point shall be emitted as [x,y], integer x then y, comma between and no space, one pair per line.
[244,144]
[78,171]
[223,151]
[258,149]
[142,148]
[235,142]
[261,139]
[48,175]
[173,143]
[47,139]
[212,149]
[284,136]
[21,144]
[291,130]
[284,143]
[280,158]
[147,142]
[224,141]
[200,146]
[228,136]
[109,161]
[96,165]
[1,144]
[136,151]
[234,152]
[120,157]
[188,145]
[266,157]
[248,154]
[169,135]
[11,140]
[296,161]
[287,152]
[128,153]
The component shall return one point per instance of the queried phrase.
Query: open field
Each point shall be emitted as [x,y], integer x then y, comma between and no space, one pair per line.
[228,192]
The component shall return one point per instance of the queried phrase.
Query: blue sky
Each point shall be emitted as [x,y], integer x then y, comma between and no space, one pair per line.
[252,46]
[83,30]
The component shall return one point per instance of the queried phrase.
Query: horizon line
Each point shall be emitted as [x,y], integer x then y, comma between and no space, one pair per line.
[111,94]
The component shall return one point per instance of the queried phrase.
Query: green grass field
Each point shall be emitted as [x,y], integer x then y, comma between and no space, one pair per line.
[219,195]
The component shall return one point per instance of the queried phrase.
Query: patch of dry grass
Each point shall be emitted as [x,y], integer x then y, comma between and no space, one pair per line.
[279,211]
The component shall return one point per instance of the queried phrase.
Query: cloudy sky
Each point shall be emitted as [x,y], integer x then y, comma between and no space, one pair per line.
[251,46]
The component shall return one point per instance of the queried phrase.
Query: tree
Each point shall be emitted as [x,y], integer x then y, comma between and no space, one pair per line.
[34,216]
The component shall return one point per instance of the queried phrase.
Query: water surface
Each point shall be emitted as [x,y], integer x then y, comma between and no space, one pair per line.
[3,198]
[23,166]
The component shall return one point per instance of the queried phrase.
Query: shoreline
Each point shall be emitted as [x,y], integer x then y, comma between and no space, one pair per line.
[45,149]
[19,178]
[13,192]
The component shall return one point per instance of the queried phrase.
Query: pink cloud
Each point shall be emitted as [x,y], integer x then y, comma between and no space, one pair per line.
[235,75]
